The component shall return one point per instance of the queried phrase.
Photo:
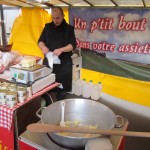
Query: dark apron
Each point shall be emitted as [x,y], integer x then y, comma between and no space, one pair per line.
[63,73]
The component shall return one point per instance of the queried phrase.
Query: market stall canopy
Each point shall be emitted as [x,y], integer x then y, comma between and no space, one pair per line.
[78,3]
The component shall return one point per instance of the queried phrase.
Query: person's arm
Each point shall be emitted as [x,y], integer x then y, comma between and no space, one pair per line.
[69,47]
[43,47]
[41,42]
[72,39]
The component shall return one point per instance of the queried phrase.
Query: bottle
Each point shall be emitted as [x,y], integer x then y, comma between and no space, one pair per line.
[96,91]
[77,90]
[100,87]
[91,83]
[87,89]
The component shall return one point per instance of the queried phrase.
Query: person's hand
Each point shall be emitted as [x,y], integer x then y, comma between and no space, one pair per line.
[2,68]
[58,51]
[45,50]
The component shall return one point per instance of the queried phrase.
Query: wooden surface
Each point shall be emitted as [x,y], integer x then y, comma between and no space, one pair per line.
[118,141]
[51,128]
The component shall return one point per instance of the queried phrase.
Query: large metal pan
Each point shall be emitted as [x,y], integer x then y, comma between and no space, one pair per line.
[85,112]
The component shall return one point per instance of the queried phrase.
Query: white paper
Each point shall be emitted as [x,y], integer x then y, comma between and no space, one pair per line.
[49,57]
[60,86]
[56,60]
[52,59]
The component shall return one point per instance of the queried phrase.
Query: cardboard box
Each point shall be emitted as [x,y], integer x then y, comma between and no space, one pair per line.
[37,141]
[77,63]
[76,70]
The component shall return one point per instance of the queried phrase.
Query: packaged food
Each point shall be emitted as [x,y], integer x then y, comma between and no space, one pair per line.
[11,103]
[2,93]
[21,99]
[3,87]
[2,101]
[11,96]
[5,84]
[12,88]
[21,91]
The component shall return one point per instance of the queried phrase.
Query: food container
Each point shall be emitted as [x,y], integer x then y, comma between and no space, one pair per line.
[11,103]
[11,96]
[2,93]
[5,84]
[12,87]
[29,91]
[3,87]
[21,92]
[2,101]
[21,99]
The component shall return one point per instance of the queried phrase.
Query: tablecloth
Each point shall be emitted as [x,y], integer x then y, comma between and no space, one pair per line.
[6,113]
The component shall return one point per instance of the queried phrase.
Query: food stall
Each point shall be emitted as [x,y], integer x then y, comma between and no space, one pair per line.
[113,50]
[29,81]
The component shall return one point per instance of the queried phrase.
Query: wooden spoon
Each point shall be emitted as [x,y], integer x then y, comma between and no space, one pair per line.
[45,128]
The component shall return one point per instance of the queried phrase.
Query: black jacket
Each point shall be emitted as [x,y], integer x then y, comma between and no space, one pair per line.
[57,37]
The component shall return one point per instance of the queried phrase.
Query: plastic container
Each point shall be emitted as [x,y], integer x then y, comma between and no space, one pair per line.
[11,96]
[77,87]
[21,99]
[96,91]
[87,87]
[11,103]
[21,92]
[2,93]
[2,101]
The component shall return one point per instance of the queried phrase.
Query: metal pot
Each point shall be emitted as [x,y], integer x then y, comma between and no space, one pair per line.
[86,112]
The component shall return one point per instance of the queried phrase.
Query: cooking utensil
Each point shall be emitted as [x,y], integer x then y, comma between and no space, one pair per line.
[37,127]
[83,112]
[62,122]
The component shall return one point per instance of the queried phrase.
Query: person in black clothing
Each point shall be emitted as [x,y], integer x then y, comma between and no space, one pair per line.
[59,38]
